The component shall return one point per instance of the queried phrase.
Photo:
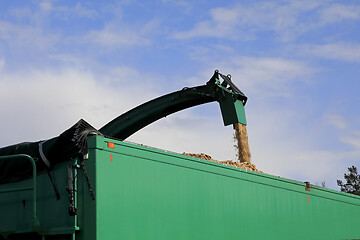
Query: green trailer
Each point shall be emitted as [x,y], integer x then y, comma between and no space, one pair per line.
[147,193]
[122,190]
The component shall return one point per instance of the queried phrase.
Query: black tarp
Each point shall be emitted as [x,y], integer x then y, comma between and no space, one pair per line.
[70,144]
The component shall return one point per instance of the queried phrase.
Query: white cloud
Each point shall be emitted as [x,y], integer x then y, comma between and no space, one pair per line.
[32,35]
[117,35]
[353,141]
[287,19]
[20,13]
[78,9]
[25,36]
[336,120]
[268,76]
[339,12]
[341,51]
[2,63]
[41,104]
[222,24]
[81,11]
[73,60]
[352,138]
[270,71]
[116,38]
[185,5]
[46,6]
[242,21]
[283,144]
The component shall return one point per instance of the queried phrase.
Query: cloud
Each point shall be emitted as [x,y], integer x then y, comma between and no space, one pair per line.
[38,33]
[287,19]
[340,51]
[242,21]
[46,6]
[184,5]
[41,104]
[271,72]
[81,11]
[2,63]
[262,76]
[20,13]
[222,23]
[339,12]
[353,141]
[17,35]
[64,11]
[283,144]
[118,35]
[27,28]
[336,120]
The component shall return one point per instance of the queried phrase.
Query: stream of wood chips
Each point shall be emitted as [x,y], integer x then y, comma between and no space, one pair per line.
[242,143]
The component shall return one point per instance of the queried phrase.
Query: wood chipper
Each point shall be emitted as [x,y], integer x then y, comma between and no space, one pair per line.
[89,184]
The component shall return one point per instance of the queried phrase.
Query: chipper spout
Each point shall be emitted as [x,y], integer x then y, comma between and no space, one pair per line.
[232,111]
[231,100]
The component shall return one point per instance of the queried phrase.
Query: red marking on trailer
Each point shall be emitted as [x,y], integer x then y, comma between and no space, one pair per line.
[308,198]
[111,157]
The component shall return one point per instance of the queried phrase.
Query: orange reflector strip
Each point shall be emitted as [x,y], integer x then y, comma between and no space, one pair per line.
[111,145]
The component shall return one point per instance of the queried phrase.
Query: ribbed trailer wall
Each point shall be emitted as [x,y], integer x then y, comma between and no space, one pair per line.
[145,193]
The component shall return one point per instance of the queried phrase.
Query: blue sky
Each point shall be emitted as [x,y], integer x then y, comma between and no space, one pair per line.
[297,61]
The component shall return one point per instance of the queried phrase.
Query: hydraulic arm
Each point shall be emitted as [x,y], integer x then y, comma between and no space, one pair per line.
[230,98]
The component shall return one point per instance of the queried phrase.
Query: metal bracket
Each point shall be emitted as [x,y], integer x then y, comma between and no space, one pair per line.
[232,89]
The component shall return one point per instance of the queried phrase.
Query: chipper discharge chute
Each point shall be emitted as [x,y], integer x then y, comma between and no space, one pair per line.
[72,143]
[230,98]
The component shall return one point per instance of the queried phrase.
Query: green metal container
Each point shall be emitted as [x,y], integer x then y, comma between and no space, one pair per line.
[146,193]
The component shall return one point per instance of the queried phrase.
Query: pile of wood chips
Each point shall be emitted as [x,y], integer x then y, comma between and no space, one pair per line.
[244,165]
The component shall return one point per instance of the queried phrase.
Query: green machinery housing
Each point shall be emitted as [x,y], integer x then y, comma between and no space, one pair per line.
[122,190]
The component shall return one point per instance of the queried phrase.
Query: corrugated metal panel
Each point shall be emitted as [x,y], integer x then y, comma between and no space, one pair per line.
[144,193]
